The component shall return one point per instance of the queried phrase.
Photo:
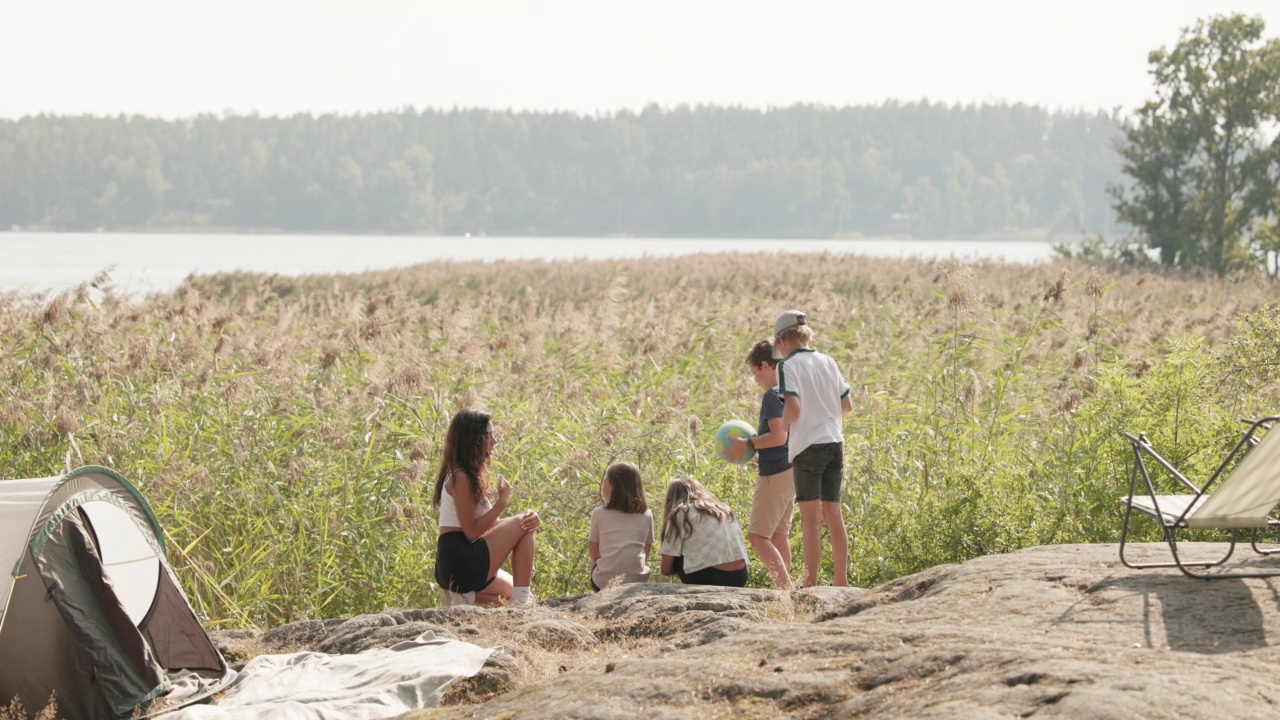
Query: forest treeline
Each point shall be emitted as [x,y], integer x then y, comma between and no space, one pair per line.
[922,168]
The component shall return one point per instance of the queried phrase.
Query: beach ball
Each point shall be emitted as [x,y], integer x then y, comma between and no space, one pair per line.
[726,434]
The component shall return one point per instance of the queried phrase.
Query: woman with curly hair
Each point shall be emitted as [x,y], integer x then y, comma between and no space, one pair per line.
[474,542]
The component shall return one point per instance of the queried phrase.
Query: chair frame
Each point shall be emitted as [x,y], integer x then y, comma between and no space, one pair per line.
[1171,525]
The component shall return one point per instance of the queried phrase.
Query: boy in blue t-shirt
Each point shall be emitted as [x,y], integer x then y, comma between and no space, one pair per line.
[772,505]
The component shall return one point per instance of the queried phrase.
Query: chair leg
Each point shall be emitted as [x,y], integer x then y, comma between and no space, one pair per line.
[1124,532]
[1170,537]
[1253,541]
[1185,567]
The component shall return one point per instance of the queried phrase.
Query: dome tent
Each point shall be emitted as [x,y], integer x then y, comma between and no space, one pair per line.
[90,612]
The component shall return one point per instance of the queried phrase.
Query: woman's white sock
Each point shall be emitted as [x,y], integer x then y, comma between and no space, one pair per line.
[521,596]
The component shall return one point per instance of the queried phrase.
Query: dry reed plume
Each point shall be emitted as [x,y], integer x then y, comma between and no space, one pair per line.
[286,429]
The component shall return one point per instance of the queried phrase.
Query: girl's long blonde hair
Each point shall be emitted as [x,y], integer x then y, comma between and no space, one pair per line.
[685,493]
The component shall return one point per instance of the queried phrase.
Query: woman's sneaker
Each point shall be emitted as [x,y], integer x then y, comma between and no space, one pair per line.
[522,598]
[449,598]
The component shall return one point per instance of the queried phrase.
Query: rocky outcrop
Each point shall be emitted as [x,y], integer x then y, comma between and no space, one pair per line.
[688,616]
[1058,631]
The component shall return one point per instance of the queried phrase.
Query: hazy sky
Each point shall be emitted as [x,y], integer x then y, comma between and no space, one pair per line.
[178,58]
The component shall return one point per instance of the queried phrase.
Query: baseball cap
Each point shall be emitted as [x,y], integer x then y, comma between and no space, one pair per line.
[785,321]
[789,319]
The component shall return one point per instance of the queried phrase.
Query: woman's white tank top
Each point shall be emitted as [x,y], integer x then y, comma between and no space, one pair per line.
[449,509]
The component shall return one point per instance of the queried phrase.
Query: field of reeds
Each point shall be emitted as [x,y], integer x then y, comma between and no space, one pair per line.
[287,430]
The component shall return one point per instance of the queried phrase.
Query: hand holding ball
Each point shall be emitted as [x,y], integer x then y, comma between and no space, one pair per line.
[725,436]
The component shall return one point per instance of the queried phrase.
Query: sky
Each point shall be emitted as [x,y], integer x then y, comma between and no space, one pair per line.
[177,58]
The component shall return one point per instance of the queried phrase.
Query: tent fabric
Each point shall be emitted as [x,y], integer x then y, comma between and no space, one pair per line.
[377,683]
[59,666]
[175,634]
[91,611]
[124,667]
[20,502]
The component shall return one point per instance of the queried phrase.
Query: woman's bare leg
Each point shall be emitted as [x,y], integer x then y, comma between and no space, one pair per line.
[522,560]
[502,539]
[498,592]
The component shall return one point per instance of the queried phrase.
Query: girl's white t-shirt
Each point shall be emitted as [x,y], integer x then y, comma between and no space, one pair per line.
[712,542]
[622,537]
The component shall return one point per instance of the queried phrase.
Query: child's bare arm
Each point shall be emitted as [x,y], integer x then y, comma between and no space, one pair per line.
[846,404]
[593,549]
[776,437]
[647,547]
[668,565]
[791,412]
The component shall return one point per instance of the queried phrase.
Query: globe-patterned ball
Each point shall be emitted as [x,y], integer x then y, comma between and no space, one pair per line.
[726,434]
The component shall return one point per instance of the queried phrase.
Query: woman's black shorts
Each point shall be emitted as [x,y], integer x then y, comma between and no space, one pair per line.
[461,565]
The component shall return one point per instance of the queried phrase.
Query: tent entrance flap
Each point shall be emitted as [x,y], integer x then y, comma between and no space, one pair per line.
[123,664]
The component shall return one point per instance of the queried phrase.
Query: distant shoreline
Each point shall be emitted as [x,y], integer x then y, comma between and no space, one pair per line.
[1026,235]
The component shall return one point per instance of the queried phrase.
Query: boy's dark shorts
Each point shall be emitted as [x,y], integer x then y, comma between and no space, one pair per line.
[819,472]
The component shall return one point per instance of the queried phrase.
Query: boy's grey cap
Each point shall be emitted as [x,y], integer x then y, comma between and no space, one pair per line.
[789,319]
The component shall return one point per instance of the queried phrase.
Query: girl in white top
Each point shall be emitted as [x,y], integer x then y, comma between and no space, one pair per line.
[621,534]
[474,542]
[701,537]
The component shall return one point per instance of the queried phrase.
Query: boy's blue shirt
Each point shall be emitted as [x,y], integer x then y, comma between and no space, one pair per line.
[771,460]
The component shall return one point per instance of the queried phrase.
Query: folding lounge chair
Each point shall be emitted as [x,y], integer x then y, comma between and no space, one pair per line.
[1242,500]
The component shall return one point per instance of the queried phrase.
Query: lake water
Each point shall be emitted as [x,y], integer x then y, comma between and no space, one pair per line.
[155,262]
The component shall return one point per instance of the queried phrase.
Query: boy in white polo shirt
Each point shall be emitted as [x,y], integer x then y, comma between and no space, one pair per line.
[816,399]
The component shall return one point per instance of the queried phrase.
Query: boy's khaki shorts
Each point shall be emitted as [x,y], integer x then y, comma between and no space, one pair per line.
[772,504]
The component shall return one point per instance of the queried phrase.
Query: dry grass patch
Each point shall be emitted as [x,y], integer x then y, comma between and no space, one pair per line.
[16,711]
[537,660]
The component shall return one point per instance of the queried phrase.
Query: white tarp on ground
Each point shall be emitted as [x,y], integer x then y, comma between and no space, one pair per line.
[377,683]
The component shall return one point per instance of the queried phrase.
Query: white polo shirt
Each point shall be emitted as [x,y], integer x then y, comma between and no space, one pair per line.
[815,380]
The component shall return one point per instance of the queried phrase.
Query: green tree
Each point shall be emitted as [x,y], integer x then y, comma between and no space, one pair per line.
[1197,153]
[1266,239]
[1157,153]
[801,171]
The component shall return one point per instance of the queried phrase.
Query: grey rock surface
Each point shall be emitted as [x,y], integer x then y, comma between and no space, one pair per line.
[1055,631]
[298,635]
[355,637]
[360,633]
[687,615]
[559,635]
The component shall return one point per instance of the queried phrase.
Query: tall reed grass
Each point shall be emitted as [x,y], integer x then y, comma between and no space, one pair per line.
[287,430]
